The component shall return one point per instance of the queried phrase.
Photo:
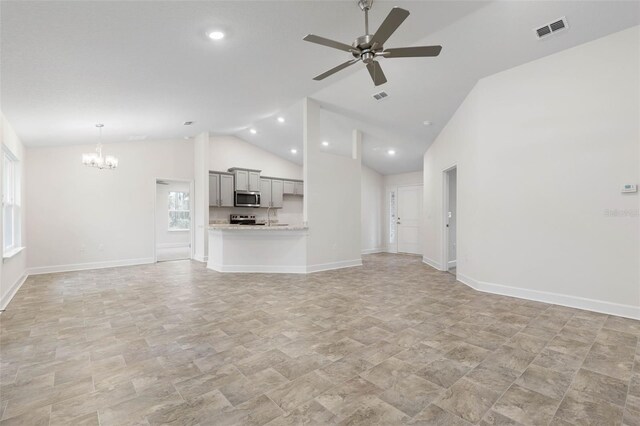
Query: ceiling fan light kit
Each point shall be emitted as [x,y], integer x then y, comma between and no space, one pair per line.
[368,47]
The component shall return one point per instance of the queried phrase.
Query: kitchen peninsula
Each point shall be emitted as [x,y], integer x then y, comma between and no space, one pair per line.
[257,248]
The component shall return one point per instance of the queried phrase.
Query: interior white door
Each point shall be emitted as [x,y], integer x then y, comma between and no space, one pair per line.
[409,216]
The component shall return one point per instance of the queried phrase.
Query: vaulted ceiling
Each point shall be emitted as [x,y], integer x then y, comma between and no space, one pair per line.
[145,67]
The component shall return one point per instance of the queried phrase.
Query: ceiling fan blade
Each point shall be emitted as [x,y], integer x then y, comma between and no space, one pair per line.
[412,52]
[375,71]
[336,69]
[389,25]
[329,43]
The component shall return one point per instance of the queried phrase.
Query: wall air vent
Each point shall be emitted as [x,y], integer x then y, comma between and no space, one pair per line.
[551,28]
[380,95]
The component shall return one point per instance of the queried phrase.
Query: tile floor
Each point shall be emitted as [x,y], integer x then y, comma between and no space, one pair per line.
[393,342]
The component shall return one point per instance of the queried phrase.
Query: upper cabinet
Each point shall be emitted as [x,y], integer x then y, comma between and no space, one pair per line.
[271,193]
[214,189]
[265,192]
[254,181]
[220,189]
[223,185]
[277,192]
[293,187]
[242,180]
[289,187]
[246,179]
[226,190]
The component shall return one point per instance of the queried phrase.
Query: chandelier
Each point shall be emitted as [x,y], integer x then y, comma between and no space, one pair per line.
[96,159]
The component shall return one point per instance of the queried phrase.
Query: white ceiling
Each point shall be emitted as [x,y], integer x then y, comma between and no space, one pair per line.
[143,68]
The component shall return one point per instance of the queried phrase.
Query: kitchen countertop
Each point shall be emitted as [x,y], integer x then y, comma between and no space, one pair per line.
[227,226]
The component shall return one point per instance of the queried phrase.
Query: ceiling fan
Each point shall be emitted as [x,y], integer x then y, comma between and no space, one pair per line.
[368,47]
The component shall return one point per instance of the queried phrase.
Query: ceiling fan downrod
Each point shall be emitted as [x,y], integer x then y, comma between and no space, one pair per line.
[365,5]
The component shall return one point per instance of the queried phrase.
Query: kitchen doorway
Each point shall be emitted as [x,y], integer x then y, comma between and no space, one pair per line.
[173,228]
[408,219]
[451,220]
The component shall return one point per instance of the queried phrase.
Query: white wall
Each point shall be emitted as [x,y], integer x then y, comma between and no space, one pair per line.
[201,196]
[80,217]
[391,183]
[13,270]
[230,151]
[372,202]
[542,151]
[332,198]
[164,237]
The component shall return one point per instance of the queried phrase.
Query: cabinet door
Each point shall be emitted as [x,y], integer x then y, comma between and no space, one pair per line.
[226,191]
[299,188]
[289,187]
[214,190]
[277,187]
[254,181]
[265,192]
[242,180]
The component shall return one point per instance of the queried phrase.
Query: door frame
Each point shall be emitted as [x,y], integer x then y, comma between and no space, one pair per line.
[445,211]
[192,235]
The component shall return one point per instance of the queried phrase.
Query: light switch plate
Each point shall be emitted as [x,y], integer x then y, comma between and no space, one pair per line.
[629,187]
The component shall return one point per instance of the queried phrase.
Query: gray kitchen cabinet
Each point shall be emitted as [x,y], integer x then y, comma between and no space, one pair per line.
[299,188]
[271,192]
[214,190]
[277,192]
[242,180]
[254,181]
[289,187]
[226,190]
[265,192]
[220,190]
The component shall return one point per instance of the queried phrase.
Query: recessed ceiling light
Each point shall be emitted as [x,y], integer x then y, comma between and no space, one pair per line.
[253,131]
[391,152]
[294,151]
[216,35]
[280,119]
[325,143]
[427,123]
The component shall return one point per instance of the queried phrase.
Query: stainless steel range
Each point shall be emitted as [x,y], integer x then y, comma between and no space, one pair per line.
[243,219]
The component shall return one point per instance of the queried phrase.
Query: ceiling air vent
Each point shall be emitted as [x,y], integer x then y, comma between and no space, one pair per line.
[553,27]
[380,95]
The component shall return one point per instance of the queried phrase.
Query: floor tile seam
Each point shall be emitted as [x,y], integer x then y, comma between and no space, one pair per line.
[575,374]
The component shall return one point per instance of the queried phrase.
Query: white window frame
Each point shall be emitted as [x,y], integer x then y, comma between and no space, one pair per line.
[170,211]
[11,201]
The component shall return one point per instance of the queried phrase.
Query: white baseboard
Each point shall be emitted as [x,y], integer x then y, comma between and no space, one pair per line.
[333,265]
[265,269]
[452,264]
[202,259]
[12,291]
[85,266]
[373,250]
[431,263]
[628,311]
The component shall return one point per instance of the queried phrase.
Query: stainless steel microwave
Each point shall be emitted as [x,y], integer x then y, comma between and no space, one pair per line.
[247,199]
